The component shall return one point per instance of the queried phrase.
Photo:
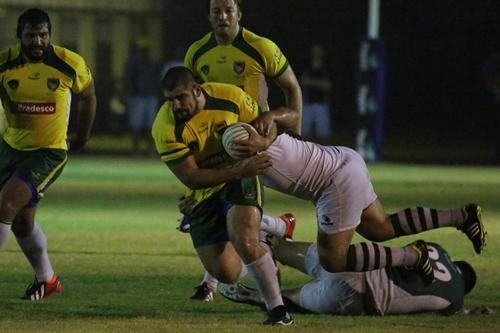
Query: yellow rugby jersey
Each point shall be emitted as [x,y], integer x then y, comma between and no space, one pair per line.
[202,134]
[37,96]
[246,62]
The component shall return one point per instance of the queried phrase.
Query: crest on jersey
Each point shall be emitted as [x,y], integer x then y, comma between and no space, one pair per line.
[239,67]
[53,84]
[13,84]
[205,69]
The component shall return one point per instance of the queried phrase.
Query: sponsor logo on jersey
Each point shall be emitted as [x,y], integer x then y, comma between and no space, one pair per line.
[53,84]
[203,127]
[239,67]
[13,84]
[325,220]
[35,108]
[250,102]
[278,55]
[205,69]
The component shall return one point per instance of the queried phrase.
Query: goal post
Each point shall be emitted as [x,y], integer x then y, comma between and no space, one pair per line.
[371,89]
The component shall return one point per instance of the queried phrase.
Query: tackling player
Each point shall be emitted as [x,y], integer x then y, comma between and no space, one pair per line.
[37,82]
[337,181]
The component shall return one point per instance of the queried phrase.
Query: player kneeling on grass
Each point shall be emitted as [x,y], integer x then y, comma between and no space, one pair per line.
[397,290]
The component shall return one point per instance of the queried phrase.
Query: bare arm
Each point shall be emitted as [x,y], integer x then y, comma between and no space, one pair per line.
[86,114]
[293,94]
[283,117]
[195,178]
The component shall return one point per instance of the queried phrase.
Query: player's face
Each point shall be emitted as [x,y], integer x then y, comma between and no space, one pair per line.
[224,16]
[184,102]
[35,41]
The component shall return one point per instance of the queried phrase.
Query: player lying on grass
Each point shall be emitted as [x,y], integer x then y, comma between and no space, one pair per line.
[397,290]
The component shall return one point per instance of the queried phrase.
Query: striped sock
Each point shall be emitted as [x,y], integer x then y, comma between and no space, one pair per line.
[418,219]
[364,257]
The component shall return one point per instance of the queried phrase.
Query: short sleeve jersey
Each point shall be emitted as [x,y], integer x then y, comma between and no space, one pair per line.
[202,134]
[247,62]
[37,96]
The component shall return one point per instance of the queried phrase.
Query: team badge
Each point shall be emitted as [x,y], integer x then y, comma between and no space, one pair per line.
[205,69]
[239,67]
[13,84]
[53,84]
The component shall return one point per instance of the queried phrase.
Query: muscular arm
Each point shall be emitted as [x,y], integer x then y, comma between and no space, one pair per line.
[195,178]
[283,117]
[293,94]
[86,113]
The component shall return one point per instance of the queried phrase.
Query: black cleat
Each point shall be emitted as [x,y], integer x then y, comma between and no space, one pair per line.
[423,266]
[40,290]
[473,227]
[279,316]
[203,293]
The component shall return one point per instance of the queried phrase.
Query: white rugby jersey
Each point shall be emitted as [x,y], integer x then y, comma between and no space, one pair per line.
[302,168]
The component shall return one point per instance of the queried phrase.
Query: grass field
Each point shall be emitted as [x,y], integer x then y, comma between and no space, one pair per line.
[111,223]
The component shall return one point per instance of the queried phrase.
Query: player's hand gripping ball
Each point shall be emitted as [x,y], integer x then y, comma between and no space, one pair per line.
[236,132]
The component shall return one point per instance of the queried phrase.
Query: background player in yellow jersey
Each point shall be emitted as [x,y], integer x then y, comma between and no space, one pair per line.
[235,55]
[37,80]
[226,219]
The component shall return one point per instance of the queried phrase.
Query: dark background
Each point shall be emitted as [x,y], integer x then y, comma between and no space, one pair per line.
[437,108]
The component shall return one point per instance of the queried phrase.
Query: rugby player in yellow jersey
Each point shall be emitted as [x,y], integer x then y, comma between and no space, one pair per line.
[37,82]
[235,55]
[225,222]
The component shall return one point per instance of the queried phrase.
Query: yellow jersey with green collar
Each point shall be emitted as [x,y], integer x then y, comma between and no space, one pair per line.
[201,135]
[247,62]
[37,96]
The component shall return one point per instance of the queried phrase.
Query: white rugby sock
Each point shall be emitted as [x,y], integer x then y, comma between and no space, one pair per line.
[34,247]
[210,281]
[264,272]
[4,233]
[273,225]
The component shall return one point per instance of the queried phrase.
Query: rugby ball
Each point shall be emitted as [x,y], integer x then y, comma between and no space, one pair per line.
[236,132]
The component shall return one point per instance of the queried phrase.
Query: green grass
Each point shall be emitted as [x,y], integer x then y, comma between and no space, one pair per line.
[111,223]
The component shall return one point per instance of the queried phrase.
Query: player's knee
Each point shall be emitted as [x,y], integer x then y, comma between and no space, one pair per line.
[9,209]
[22,229]
[247,247]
